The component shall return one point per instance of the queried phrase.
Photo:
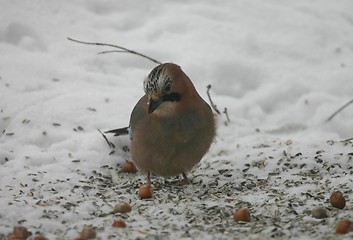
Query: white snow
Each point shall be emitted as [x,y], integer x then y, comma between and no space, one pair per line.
[281,68]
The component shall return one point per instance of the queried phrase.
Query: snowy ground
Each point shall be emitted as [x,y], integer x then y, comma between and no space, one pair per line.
[279,67]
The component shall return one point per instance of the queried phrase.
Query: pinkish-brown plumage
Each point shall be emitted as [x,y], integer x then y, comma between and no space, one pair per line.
[171,126]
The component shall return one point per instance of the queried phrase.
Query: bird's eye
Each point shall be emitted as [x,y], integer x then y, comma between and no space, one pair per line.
[168,86]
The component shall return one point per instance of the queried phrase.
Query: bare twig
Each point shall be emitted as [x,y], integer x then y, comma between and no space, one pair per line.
[347,140]
[123,49]
[113,51]
[339,110]
[214,107]
[111,145]
[226,113]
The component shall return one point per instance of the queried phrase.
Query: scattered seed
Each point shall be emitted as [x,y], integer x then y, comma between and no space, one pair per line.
[91,109]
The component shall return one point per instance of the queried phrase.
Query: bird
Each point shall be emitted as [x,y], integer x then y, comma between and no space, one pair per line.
[171,126]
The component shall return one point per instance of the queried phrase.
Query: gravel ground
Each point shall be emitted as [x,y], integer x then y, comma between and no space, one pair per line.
[279,181]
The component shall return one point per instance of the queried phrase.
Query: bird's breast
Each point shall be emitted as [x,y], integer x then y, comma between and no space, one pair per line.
[169,146]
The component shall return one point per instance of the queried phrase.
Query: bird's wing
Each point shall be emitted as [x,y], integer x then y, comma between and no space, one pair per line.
[119,131]
[139,112]
[137,115]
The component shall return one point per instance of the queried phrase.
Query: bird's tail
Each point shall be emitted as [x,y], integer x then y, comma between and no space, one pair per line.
[119,131]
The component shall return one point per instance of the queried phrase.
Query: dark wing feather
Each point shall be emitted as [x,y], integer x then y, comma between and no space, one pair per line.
[137,115]
[119,131]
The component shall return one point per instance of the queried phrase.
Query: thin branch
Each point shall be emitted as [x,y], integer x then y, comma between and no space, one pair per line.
[347,140]
[111,145]
[116,46]
[226,113]
[339,110]
[214,107]
[113,51]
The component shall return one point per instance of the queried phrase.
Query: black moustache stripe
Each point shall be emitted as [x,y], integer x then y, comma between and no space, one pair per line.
[172,97]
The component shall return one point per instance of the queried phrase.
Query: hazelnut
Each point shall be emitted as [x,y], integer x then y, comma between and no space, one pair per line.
[80,238]
[88,233]
[21,232]
[39,237]
[129,167]
[145,191]
[119,224]
[337,200]
[344,226]
[242,215]
[14,237]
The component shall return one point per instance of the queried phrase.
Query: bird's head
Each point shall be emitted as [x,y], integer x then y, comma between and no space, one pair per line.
[166,86]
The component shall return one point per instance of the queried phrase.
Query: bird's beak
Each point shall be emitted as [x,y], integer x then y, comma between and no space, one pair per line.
[153,103]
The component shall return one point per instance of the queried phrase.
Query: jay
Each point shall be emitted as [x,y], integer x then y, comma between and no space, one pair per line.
[171,126]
